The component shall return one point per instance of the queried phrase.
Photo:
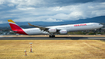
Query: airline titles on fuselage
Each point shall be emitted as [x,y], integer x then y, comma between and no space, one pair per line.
[80,25]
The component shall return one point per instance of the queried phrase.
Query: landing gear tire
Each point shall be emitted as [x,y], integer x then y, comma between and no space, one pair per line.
[51,36]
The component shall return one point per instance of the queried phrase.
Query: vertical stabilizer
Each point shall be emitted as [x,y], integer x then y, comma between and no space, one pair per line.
[15,27]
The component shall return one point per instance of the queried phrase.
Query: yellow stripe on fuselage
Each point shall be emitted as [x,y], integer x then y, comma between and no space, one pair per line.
[11,21]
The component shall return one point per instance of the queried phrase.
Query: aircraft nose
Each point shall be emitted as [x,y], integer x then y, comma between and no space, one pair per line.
[102,25]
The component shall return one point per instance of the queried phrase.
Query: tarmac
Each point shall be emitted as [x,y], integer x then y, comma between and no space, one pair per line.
[58,37]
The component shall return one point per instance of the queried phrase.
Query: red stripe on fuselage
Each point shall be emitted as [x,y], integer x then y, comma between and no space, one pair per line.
[17,29]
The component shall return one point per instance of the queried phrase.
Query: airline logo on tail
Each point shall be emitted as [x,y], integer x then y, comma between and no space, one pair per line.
[15,27]
[10,21]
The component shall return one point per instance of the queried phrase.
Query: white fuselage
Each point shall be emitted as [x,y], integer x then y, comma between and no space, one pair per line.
[69,28]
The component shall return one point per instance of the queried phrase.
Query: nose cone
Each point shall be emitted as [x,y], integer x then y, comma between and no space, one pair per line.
[101,25]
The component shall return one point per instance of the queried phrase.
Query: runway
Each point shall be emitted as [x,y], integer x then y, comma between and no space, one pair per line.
[56,38]
[46,37]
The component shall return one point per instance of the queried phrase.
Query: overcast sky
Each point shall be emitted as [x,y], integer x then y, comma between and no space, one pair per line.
[50,10]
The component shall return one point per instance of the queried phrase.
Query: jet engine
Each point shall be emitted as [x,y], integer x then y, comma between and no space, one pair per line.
[52,30]
[63,31]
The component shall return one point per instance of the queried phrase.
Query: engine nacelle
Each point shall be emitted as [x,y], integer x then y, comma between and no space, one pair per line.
[52,30]
[63,31]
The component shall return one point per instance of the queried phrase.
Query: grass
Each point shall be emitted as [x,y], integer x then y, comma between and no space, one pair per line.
[52,49]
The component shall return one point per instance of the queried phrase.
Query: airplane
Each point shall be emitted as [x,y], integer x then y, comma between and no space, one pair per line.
[53,30]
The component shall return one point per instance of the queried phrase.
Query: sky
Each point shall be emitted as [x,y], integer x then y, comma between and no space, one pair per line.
[50,10]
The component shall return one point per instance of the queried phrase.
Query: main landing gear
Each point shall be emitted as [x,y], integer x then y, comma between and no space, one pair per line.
[51,36]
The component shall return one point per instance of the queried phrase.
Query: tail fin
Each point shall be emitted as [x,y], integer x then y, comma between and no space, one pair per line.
[16,28]
[13,25]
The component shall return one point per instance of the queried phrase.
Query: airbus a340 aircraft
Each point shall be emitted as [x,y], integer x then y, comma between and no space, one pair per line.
[52,30]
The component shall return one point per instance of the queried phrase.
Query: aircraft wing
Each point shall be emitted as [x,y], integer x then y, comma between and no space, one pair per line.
[41,28]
